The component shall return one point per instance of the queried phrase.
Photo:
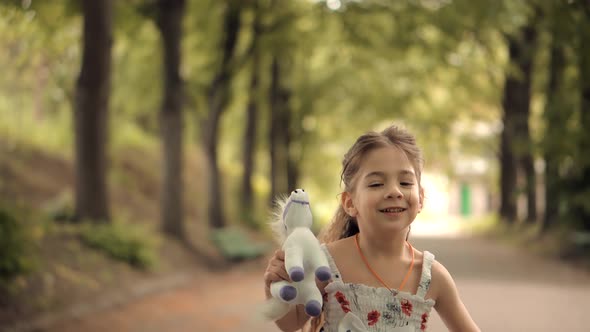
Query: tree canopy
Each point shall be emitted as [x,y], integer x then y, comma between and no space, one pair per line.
[341,67]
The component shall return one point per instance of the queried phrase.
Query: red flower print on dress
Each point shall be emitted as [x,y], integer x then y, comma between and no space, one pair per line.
[341,298]
[424,320]
[373,317]
[407,307]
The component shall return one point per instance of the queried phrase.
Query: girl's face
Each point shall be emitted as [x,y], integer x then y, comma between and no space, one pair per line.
[386,194]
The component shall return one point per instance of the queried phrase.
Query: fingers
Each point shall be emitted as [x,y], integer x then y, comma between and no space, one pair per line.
[322,285]
[275,270]
[280,254]
[275,273]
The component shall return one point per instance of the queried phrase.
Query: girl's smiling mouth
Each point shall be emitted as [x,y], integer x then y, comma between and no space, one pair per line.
[393,210]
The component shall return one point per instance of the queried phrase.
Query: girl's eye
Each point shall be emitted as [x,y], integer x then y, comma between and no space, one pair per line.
[406,184]
[373,185]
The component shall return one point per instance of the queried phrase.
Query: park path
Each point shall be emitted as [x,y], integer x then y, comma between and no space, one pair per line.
[506,290]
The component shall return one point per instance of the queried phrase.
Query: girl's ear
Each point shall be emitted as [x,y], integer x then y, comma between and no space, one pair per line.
[421,198]
[348,204]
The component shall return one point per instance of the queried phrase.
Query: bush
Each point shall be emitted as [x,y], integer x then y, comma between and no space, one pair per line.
[16,254]
[128,243]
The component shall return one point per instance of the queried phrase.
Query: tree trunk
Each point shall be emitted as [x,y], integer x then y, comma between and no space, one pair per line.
[278,138]
[275,127]
[516,146]
[292,168]
[294,147]
[554,121]
[169,22]
[528,166]
[522,138]
[584,64]
[249,146]
[287,139]
[91,112]
[218,97]
[507,170]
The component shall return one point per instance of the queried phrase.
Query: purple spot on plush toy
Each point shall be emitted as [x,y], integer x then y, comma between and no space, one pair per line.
[296,273]
[313,308]
[288,293]
[323,273]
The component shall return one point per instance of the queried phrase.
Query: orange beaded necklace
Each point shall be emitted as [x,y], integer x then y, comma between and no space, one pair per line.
[401,286]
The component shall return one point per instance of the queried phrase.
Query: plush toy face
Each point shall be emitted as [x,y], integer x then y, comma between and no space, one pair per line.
[297,212]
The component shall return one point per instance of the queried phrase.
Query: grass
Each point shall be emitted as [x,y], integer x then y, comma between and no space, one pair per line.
[17,256]
[130,243]
[52,134]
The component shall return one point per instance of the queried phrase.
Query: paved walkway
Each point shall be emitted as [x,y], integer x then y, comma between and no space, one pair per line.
[504,289]
[510,291]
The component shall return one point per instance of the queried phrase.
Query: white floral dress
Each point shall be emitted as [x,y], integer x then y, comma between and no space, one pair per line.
[378,308]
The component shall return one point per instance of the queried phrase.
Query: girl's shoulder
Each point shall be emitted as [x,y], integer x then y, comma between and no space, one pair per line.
[337,243]
[341,247]
[442,282]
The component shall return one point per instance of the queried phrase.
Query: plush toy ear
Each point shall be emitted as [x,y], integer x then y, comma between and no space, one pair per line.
[348,204]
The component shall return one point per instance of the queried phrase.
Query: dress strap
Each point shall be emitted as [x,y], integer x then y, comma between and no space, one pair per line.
[334,269]
[426,274]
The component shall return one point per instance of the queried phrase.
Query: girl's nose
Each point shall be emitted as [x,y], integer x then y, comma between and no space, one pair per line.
[394,192]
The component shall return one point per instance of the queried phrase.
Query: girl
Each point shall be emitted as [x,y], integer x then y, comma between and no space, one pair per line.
[378,279]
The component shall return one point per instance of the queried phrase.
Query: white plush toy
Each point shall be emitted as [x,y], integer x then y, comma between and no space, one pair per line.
[304,259]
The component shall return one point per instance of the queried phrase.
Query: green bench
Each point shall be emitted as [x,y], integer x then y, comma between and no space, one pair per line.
[235,245]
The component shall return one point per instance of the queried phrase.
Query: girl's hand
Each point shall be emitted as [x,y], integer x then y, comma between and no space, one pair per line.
[322,286]
[275,271]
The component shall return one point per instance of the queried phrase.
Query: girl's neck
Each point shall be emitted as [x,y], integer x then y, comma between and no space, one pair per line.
[384,246]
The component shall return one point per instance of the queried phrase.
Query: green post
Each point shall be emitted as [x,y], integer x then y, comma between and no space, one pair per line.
[465,200]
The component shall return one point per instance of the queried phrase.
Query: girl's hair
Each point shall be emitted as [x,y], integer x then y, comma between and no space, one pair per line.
[342,224]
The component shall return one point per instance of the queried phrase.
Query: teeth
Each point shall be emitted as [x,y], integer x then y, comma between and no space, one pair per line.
[393,210]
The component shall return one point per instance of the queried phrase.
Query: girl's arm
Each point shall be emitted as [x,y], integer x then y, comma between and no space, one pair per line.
[448,303]
[275,271]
